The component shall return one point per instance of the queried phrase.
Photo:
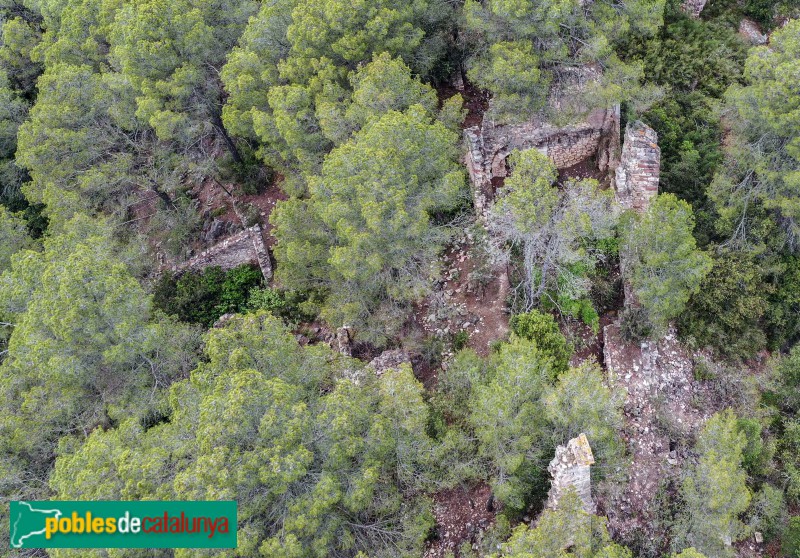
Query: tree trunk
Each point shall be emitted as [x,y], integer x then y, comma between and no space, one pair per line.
[217,121]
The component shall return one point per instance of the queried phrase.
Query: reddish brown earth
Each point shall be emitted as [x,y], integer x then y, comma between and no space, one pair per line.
[215,200]
[461,514]
[580,171]
[587,343]
[480,311]
[476,101]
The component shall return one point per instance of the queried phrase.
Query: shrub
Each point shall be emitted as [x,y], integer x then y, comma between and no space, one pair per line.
[635,325]
[293,306]
[726,312]
[768,512]
[790,547]
[202,297]
[543,330]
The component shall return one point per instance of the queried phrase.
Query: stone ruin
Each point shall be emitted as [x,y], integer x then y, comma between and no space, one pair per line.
[751,31]
[246,246]
[694,7]
[392,359]
[637,175]
[490,144]
[571,469]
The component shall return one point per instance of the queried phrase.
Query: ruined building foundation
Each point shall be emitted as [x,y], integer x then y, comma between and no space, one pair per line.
[489,145]
[246,246]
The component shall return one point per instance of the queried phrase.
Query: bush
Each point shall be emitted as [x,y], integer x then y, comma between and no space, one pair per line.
[236,288]
[768,512]
[783,297]
[460,339]
[457,382]
[543,330]
[755,456]
[635,325]
[202,297]
[292,306]
[790,547]
[726,312]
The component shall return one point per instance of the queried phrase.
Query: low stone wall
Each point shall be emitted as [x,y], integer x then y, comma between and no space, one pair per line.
[243,247]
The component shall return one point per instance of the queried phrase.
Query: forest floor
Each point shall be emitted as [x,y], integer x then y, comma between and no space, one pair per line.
[470,297]
[462,515]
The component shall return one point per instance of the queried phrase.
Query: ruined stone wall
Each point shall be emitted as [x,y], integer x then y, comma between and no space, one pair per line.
[638,172]
[489,145]
[243,247]
[571,468]
[636,182]
[694,7]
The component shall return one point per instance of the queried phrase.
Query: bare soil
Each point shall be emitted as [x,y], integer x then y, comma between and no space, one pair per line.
[461,514]
[461,305]
[476,101]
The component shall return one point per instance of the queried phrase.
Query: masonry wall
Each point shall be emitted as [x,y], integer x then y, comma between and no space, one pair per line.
[489,145]
[243,247]
[637,175]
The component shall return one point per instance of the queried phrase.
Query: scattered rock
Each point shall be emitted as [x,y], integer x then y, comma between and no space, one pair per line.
[389,360]
[694,7]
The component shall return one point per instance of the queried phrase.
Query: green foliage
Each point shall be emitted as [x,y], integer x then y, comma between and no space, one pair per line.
[457,383]
[15,237]
[790,547]
[87,349]
[13,110]
[768,512]
[519,413]
[763,159]
[598,415]
[715,491]
[302,80]
[169,53]
[312,469]
[726,312]
[508,420]
[364,235]
[786,381]
[764,12]
[202,297]
[664,265]
[690,137]
[569,531]
[783,312]
[755,454]
[635,324]
[520,48]
[696,61]
[789,456]
[690,55]
[543,330]
[554,235]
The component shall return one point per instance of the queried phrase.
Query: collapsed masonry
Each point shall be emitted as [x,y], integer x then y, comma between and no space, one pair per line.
[571,469]
[244,247]
[694,7]
[597,136]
